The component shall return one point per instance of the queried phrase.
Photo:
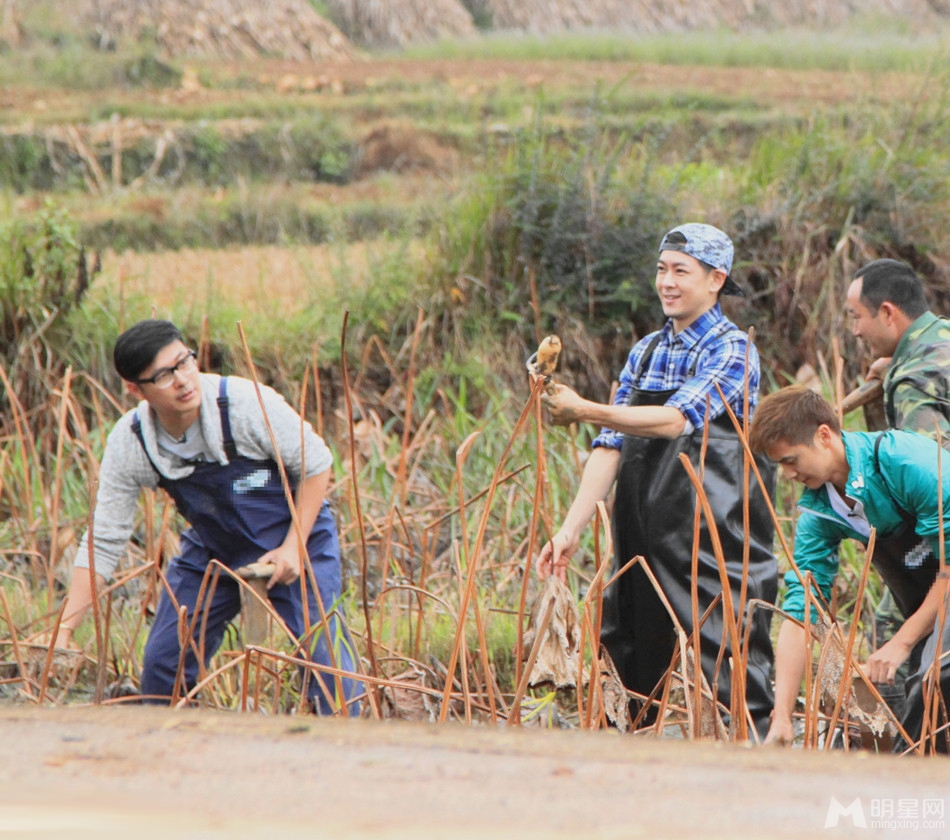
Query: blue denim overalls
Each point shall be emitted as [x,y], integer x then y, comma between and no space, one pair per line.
[238,512]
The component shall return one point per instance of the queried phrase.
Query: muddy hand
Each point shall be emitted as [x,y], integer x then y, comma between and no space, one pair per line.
[781,734]
[564,405]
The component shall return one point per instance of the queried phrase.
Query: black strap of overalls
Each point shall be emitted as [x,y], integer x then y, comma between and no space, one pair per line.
[230,449]
[645,359]
[137,429]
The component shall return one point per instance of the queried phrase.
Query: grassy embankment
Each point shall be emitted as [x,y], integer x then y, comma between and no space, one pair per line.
[534,202]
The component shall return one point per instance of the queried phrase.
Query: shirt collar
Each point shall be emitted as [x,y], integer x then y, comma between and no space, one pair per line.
[690,336]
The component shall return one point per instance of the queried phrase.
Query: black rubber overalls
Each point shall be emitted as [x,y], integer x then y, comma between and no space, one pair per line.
[653,516]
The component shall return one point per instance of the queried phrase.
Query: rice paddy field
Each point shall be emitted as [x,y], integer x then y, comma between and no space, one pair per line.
[385,240]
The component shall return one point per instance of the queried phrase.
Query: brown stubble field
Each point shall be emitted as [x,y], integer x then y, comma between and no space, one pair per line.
[237,274]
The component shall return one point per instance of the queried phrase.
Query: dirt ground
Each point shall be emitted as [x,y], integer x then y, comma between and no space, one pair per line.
[144,773]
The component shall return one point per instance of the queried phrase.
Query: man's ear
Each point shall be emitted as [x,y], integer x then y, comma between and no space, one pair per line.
[889,311]
[717,278]
[824,434]
[134,390]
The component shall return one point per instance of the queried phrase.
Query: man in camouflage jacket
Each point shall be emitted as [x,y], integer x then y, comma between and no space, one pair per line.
[912,345]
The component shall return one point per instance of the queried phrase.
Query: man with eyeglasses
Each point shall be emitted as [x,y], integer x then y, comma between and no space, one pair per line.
[672,402]
[206,441]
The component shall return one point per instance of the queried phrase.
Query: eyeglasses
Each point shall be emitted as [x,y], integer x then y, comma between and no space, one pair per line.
[164,377]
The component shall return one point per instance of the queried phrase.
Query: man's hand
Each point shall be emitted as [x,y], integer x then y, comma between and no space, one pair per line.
[565,405]
[554,556]
[882,665]
[781,732]
[879,368]
[286,562]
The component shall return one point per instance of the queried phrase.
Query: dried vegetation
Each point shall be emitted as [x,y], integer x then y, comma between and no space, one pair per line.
[438,560]
[292,29]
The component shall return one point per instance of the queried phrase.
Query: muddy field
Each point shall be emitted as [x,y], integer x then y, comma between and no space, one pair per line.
[150,773]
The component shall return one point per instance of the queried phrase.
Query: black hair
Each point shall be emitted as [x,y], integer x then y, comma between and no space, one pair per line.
[895,282]
[138,346]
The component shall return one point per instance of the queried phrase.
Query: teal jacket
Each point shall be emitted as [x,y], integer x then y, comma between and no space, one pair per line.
[907,477]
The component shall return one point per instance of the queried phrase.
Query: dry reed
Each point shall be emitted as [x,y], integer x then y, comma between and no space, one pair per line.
[438,563]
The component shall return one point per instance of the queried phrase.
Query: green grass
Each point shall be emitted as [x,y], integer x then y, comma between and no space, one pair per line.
[888,48]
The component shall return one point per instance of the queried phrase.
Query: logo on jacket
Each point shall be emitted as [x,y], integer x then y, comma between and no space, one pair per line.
[254,481]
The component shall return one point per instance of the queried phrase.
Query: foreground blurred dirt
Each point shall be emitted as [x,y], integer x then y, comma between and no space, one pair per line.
[147,773]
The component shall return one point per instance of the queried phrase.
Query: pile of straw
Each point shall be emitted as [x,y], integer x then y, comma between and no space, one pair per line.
[288,29]
[395,23]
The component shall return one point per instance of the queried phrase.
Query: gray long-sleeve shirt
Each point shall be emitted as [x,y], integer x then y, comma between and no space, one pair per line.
[126,469]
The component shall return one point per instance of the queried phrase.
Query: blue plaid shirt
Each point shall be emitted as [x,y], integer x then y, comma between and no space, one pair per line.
[715,349]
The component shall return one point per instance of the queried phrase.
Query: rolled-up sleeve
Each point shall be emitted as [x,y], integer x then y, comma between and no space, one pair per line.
[609,438]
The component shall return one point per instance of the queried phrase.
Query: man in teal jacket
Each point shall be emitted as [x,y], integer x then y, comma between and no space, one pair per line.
[855,482]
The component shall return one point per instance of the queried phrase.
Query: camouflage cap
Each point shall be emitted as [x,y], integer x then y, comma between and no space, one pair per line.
[707,244]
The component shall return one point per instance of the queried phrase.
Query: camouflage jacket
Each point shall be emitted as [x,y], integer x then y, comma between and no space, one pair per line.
[917,383]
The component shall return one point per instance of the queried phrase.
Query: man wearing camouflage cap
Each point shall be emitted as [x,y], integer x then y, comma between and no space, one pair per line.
[672,400]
